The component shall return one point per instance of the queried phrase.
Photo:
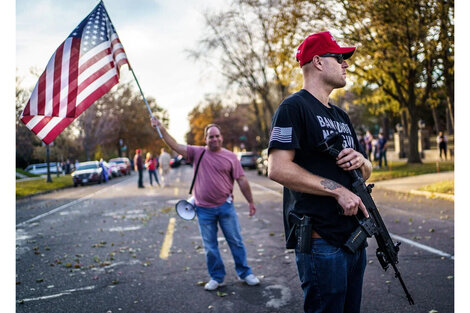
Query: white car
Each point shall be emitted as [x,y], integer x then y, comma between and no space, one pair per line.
[41,168]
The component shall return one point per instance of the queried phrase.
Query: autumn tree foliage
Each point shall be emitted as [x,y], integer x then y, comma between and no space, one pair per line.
[238,124]
[120,114]
[403,67]
[405,56]
[254,42]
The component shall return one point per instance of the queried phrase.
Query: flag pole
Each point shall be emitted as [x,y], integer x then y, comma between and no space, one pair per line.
[145,100]
[138,85]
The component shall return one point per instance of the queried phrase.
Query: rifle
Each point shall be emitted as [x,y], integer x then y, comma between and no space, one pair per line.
[387,251]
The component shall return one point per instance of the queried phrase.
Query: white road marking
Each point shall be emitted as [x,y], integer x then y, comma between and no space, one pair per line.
[120,229]
[421,246]
[266,189]
[402,239]
[66,205]
[66,292]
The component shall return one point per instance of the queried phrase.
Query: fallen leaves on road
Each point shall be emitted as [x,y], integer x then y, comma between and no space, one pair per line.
[221,294]
[166,210]
[99,245]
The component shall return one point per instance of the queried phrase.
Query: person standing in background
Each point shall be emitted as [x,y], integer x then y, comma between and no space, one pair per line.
[442,143]
[382,146]
[139,167]
[151,165]
[368,141]
[164,161]
[104,172]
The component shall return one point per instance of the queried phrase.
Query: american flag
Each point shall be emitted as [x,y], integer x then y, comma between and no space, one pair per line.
[84,67]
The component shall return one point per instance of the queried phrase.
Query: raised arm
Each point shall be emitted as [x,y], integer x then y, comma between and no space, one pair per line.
[282,169]
[180,148]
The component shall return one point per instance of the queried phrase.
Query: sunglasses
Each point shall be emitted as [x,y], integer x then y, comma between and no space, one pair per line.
[338,56]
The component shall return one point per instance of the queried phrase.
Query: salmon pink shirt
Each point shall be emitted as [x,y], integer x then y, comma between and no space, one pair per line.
[216,175]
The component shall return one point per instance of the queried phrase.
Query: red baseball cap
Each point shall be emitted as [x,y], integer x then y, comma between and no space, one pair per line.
[137,151]
[319,44]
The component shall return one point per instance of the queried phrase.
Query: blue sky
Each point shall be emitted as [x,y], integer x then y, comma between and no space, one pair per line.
[155,35]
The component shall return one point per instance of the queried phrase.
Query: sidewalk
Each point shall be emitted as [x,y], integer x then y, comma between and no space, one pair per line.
[411,184]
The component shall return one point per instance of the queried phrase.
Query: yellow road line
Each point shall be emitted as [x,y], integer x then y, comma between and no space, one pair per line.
[168,241]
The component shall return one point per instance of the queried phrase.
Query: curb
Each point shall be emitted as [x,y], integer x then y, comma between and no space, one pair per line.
[432,195]
[427,194]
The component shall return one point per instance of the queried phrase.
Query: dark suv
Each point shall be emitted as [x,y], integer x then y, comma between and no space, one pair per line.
[247,159]
[87,172]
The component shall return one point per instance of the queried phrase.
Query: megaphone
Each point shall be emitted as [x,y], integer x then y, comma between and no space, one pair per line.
[185,209]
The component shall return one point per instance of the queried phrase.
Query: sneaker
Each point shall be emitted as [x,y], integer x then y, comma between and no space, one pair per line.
[211,285]
[251,280]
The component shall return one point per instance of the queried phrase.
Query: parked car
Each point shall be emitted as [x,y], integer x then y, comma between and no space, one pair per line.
[114,169]
[247,159]
[177,161]
[262,163]
[41,168]
[87,172]
[124,165]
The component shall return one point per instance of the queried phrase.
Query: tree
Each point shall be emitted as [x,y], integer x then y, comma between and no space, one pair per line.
[26,141]
[238,124]
[253,41]
[120,114]
[399,55]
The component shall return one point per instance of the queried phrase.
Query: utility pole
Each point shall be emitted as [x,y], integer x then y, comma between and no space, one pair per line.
[49,179]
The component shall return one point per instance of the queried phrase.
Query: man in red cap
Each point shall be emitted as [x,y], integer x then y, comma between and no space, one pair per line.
[318,187]
[139,167]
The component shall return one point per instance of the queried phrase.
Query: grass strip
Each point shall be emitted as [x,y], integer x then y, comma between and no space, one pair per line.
[30,187]
[397,169]
[446,187]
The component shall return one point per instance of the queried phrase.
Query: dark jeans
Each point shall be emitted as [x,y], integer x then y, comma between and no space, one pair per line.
[154,174]
[443,148]
[140,182]
[331,278]
[383,155]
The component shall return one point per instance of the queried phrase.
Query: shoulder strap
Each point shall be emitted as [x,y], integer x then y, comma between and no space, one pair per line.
[195,172]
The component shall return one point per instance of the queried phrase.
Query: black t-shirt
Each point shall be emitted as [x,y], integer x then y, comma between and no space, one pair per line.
[301,123]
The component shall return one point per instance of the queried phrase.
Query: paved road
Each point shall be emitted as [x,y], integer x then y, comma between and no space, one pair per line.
[102,248]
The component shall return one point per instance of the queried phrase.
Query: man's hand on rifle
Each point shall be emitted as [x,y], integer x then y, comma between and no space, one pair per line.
[349,159]
[350,202]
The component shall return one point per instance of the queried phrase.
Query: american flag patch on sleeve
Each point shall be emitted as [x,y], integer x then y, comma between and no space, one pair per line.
[281,134]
